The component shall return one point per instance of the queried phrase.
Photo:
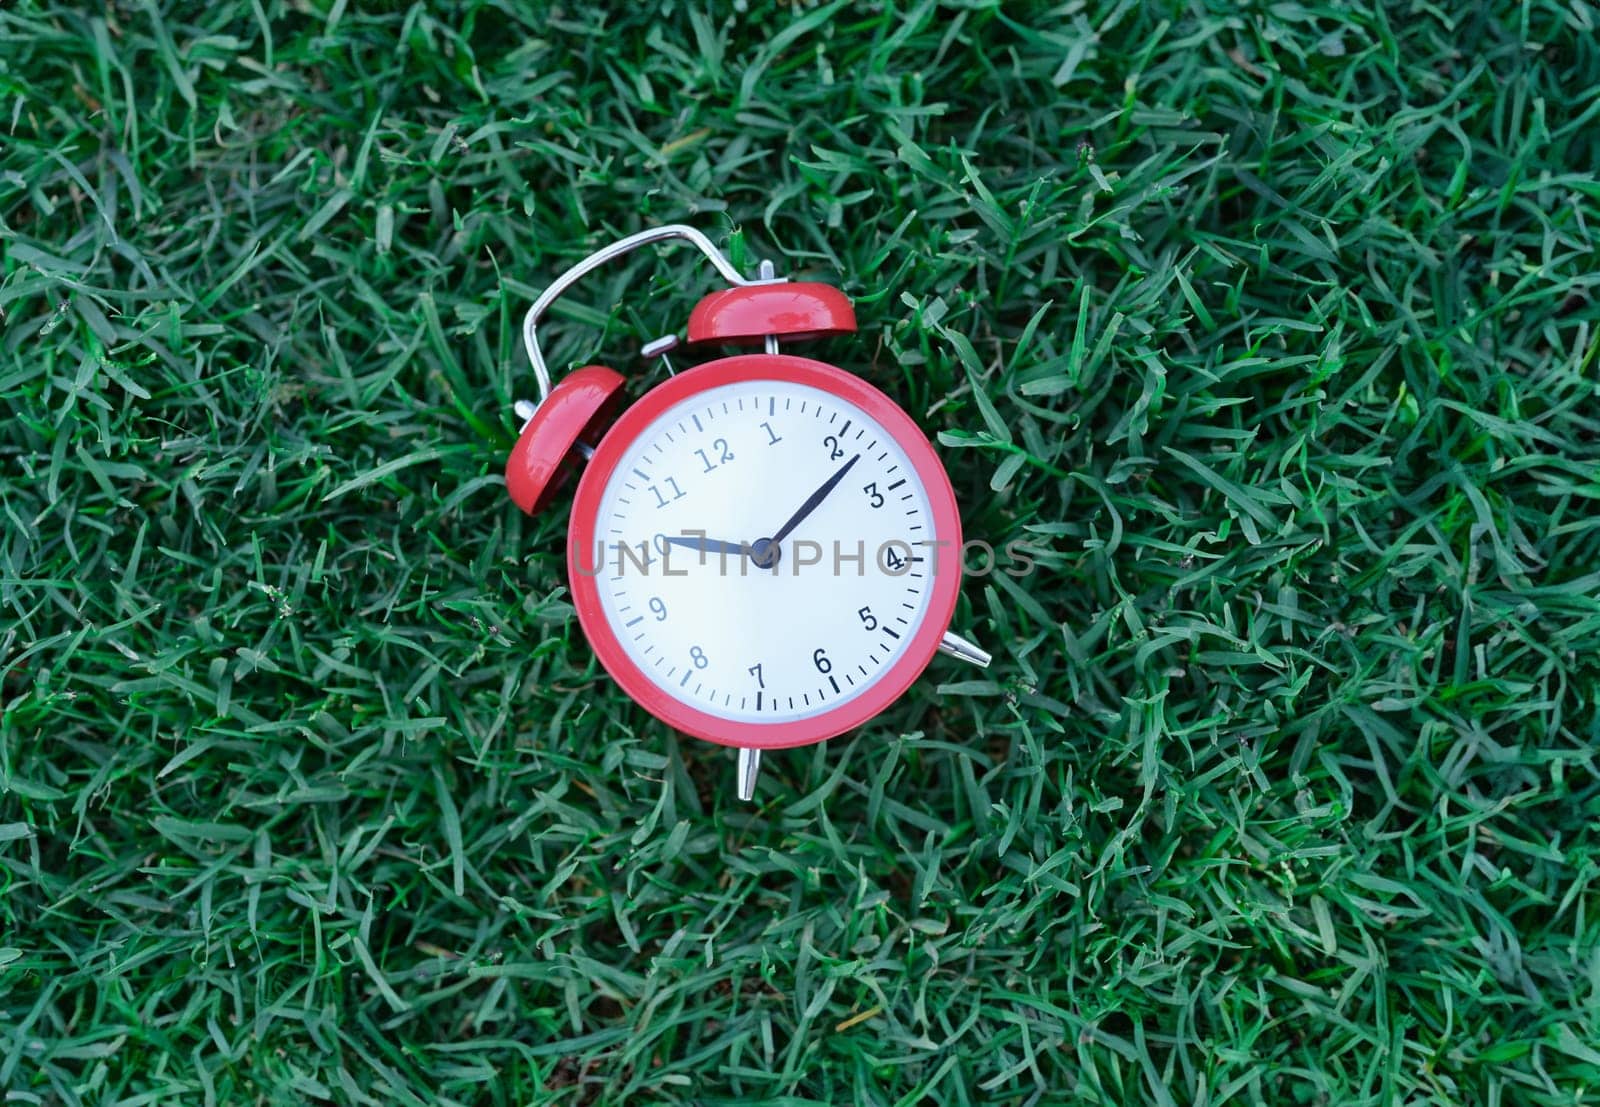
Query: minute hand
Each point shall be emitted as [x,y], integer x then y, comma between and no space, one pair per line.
[812,501]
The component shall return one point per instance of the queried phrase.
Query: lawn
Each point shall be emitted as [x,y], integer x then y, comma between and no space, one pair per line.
[1273,328]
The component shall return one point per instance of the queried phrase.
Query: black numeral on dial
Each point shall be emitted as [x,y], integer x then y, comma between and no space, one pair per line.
[677,493]
[720,448]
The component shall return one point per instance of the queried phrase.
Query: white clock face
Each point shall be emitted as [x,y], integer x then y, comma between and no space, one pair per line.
[717,628]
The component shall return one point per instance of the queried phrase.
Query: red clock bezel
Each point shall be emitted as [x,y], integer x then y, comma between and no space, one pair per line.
[945,578]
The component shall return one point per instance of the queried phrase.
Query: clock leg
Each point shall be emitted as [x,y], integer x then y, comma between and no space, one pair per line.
[749,769]
[957,646]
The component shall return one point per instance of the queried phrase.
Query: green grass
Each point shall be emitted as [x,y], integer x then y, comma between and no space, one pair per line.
[1274,327]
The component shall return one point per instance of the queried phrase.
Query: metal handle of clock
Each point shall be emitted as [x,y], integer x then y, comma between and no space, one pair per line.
[622,246]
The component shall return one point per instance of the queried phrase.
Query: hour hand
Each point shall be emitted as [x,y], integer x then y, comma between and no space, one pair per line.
[710,545]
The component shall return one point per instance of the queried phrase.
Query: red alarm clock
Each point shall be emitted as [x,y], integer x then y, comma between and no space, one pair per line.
[764,550]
